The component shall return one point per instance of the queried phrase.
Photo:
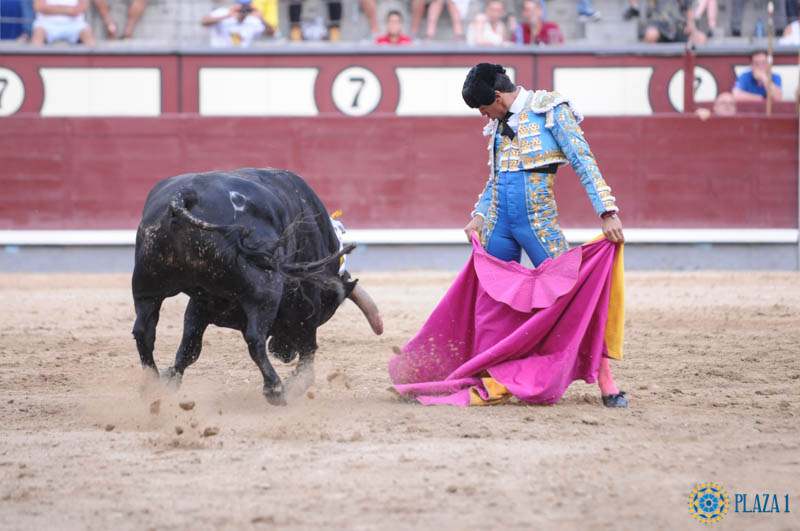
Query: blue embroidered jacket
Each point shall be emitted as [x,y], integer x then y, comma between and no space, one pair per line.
[548,134]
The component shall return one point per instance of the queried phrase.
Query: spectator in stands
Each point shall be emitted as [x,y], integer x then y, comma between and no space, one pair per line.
[587,13]
[791,11]
[533,29]
[791,34]
[737,13]
[334,21]
[671,21]
[58,20]
[418,8]
[435,11]
[752,85]
[135,11]
[370,8]
[16,17]
[488,28]
[724,105]
[632,11]
[237,25]
[394,30]
[269,10]
[709,7]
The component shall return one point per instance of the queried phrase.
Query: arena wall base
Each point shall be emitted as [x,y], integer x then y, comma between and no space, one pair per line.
[388,257]
[66,259]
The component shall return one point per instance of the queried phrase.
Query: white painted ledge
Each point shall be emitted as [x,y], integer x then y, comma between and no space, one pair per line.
[419,236]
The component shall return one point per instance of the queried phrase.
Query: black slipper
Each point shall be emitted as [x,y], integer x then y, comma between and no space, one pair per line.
[615,400]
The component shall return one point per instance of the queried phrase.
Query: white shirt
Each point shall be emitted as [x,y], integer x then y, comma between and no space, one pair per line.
[516,107]
[230,32]
[490,36]
[61,18]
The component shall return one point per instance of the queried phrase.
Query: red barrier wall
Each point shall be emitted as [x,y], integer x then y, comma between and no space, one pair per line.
[390,172]
[180,71]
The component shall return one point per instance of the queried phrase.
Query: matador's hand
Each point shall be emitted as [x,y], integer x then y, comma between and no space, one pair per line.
[475,225]
[612,230]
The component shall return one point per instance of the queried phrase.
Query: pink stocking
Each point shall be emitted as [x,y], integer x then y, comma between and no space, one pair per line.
[604,379]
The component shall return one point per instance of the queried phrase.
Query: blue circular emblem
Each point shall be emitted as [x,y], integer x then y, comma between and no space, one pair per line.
[708,503]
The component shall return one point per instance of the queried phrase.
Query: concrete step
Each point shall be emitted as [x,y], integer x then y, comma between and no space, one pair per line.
[611,31]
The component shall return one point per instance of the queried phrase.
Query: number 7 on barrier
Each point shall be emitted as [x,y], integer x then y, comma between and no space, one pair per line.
[3,85]
[360,88]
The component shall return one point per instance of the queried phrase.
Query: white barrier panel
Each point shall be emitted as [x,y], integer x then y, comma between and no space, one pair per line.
[101,91]
[422,236]
[434,91]
[617,90]
[257,91]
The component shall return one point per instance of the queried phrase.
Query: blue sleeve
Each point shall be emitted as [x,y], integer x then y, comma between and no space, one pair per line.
[485,199]
[570,139]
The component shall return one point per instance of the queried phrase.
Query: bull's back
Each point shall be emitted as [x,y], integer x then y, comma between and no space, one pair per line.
[262,202]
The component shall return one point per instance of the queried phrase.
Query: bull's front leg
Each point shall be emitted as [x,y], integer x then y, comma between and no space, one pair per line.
[259,319]
[144,329]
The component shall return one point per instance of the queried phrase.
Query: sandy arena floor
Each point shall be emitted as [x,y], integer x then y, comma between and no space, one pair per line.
[712,370]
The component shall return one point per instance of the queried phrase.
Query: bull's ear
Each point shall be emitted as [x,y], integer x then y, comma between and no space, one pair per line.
[349,285]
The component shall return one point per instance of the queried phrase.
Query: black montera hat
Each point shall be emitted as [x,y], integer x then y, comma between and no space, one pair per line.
[479,85]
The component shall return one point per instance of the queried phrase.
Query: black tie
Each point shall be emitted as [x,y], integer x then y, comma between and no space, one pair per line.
[504,128]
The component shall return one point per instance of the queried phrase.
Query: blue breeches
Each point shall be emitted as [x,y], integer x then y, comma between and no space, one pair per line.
[526,219]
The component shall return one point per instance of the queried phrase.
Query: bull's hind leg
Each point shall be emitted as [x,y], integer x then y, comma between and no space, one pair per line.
[144,329]
[259,319]
[302,376]
[195,322]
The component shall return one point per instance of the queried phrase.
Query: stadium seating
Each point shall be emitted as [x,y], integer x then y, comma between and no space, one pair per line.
[171,22]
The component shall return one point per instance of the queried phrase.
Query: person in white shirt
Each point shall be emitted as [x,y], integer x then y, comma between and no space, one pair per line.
[237,25]
[488,28]
[58,20]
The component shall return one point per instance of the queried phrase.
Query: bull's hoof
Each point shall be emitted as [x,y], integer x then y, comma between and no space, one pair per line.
[299,381]
[151,384]
[150,372]
[275,395]
[172,378]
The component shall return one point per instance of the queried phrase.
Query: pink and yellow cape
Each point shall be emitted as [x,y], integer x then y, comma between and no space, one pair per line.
[504,330]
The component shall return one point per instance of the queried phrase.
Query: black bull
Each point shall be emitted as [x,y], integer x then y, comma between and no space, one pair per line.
[255,251]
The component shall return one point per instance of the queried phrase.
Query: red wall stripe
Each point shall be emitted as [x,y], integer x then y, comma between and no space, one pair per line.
[667,171]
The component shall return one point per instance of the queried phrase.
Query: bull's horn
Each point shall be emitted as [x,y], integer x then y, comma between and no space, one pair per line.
[368,307]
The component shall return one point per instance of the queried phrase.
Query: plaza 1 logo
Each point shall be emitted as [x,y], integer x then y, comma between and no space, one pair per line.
[709,503]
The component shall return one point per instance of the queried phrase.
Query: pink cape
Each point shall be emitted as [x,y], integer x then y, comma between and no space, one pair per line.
[535,331]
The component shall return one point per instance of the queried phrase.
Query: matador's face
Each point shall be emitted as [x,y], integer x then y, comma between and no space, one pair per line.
[497,109]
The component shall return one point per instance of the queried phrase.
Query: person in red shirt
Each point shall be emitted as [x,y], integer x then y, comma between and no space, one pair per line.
[533,29]
[394,30]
